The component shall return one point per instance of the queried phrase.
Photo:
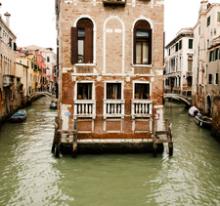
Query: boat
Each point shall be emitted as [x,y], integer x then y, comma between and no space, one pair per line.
[203,121]
[53,105]
[193,111]
[19,116]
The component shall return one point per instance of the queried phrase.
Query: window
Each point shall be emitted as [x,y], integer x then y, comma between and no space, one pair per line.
[216,78]
[218,16]
[82,42]
[142,91]
[210,78]
[216,54]
[84,91]
[113,91]
[213,55]
[48,59]
[142,43]
[177,47]
[80,45]
[190,61]
[180,44]
[190,43]
[208,21]
[10,42]
[219,54]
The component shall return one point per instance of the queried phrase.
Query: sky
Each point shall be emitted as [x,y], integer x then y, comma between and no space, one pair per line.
[34,21]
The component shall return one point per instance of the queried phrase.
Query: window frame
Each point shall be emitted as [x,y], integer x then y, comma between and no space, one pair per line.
[216,78]
[210,80]
[117,101]
[208,20]
[84,82]
[90,38]
[112,82]
[144,25]
[141,82]
[190,43]
[79,38]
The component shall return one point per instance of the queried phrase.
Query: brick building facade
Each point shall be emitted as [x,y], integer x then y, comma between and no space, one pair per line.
[111,67]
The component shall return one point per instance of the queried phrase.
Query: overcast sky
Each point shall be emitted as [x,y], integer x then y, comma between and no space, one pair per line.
[33,21]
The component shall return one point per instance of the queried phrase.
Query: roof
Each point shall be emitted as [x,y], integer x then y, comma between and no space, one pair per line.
[184,32]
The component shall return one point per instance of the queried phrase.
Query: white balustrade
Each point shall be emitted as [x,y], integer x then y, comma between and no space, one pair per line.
[113,108]
[141,108]
[85,108]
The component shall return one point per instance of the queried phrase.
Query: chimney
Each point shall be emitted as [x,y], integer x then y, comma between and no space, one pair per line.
[203,6]
[7,17]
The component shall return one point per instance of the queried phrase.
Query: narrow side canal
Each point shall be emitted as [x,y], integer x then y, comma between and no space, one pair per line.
[31,176]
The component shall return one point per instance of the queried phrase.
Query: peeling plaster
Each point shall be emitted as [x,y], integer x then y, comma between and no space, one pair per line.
[65,115]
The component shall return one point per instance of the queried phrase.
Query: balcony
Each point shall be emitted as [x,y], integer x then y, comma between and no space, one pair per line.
[114,108]
[141,108]
[114,2]
[8,80]
[85,109]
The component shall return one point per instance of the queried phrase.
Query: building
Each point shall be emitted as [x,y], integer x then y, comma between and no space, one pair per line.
[206,56]
[178,70]
[50,61]
[25,71]
[9,96]
[111,69]
[48,69]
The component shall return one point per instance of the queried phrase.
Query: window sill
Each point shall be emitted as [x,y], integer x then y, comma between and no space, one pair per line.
[142,65]
[85,64]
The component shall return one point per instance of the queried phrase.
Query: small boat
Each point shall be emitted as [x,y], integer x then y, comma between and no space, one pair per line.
[193,111]
[19,116]
[203,121]
[53,105]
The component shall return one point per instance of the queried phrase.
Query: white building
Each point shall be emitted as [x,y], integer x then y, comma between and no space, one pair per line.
[206,56]
[178,71]
[8,82]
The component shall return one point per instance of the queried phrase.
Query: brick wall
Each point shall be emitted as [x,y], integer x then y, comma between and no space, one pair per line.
[113,30]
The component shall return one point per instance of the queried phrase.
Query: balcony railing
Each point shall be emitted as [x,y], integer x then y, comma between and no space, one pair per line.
[113,108]
[85,108]
[114,2]
[141,108]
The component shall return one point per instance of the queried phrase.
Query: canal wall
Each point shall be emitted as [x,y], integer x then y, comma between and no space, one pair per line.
[216,117]
[12,99]
[19,101]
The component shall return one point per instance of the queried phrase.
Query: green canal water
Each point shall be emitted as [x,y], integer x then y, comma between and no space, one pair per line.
[31,176]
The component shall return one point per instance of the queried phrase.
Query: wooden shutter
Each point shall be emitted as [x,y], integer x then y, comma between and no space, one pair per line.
[150,47]
[88,48]
[134,46]
[73,45]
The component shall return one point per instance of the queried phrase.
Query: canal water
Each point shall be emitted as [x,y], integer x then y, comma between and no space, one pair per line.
[31,176]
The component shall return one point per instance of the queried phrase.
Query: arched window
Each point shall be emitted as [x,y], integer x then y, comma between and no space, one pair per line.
[82,42]
[142,42]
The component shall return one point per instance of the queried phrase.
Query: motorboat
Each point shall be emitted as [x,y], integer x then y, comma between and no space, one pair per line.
[203,121]
[193,111]
[19,116]
[53,105]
